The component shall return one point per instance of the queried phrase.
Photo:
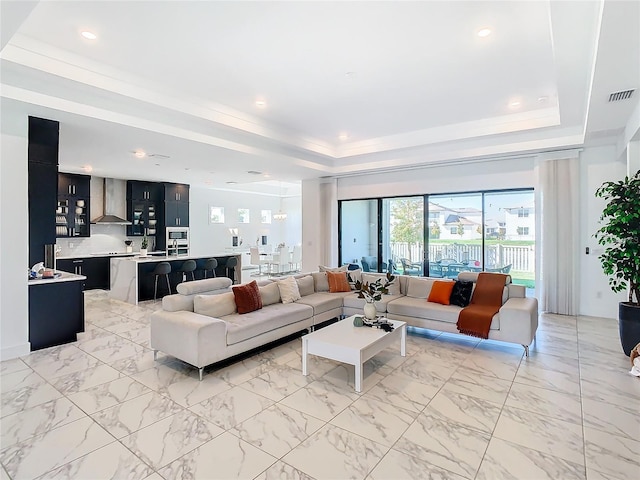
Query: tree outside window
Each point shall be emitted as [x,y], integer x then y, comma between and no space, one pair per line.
[406,222]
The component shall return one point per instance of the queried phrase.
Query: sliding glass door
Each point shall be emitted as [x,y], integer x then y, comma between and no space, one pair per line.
[403,234]
[359,233]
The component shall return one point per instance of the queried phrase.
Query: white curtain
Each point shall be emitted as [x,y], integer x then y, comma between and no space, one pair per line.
[559,217]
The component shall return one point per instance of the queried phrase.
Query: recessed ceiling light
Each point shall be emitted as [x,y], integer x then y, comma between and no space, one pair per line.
[89,35]
[87,168]
[266,175]
[514,104]
[542,99]
[139,153]
[343,136]
[261,103]
[484,32]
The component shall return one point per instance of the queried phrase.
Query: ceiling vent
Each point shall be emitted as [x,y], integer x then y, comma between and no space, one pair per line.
[623,95]
[254,172]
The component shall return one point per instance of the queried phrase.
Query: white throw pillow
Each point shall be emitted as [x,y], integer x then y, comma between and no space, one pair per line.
[215,305]
[289,292]
[419,287]
[320,281]
[356,276]
[270,294]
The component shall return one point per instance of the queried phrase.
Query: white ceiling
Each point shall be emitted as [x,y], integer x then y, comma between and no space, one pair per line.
[410,83]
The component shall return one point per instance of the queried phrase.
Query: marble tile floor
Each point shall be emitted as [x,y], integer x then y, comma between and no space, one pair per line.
[453,408]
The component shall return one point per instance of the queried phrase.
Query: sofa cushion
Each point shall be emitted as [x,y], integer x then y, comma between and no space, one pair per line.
[305,285]
[206,285]
[215,305]
[289,292]
[352,301]
[354,276]
[394,288]
[461,293]
[247,297]
[244,327]
[441,292]
[270,294]
[419,287]
[321,302]
[338,282]
[473,277]
[320,281]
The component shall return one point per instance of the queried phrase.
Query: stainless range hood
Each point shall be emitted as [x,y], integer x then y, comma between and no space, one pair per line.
[113,202]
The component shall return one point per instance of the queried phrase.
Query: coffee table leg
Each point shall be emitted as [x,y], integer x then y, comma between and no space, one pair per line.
[403,341]
[304,356]
[359,377]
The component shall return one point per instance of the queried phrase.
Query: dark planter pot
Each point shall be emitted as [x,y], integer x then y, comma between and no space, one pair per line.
[629,321]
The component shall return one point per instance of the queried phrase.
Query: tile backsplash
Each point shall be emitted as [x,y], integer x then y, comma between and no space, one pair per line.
[103,239]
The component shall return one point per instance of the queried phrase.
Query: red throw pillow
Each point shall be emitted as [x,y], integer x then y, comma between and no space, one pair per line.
[247,297]
[338,282]
[441,292]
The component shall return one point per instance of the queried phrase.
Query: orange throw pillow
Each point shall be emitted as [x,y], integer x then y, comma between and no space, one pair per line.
[338,282]
[441,292]
[247,297]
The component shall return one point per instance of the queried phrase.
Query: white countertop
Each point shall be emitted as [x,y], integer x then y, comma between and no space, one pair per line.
[170,258]
[103,254]
[64,277]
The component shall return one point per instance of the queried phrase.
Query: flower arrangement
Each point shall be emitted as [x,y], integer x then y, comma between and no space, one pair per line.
[373,291]
[145,243]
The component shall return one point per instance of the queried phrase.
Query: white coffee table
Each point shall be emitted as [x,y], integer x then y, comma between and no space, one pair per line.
[345,343]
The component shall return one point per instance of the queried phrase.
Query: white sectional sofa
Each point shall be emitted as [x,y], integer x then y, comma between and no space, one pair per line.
[200,325]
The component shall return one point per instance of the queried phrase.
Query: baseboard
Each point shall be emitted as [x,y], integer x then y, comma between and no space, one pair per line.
[15,351]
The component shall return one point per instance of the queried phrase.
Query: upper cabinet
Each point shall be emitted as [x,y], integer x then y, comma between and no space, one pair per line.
[176,205]
[143,199]
[72,210]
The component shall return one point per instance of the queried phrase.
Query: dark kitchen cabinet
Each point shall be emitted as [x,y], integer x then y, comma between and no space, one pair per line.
[96,269]
[72,210]
[176,214]
[176,192]
[42,199]
[143,199]
[42,185]
[56,313]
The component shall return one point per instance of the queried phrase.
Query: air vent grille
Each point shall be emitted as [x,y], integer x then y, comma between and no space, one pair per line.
[254,172]
[623,95]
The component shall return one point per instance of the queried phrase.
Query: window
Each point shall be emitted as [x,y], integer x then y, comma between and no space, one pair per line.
[523,212]
[216,214]
[265,216]
[453,230]
[523,230]
[243,215]
[359,233]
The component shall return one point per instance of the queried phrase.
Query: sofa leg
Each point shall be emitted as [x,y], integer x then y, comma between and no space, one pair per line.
[526,350]
[155,355]
[200,370]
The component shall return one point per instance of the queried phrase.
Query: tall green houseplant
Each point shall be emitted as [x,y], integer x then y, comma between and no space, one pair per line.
[620,235]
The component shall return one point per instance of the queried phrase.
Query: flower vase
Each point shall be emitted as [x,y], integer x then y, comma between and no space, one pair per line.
[370,311]
[143,252]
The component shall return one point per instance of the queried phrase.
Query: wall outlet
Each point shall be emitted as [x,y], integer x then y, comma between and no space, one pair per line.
[70,245]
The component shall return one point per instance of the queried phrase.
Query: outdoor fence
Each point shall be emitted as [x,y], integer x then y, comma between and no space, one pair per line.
[520,257]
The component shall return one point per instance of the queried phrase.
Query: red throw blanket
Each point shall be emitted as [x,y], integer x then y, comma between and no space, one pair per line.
[475,319]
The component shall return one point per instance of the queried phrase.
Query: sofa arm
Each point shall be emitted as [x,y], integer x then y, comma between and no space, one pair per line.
[519,320]
[190,337]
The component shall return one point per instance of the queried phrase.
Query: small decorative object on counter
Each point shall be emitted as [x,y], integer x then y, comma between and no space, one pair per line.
[143,246]
[358,322]
[129,244]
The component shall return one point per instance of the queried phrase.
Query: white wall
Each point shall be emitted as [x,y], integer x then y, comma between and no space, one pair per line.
[597,165]
[208,238]
[14,247]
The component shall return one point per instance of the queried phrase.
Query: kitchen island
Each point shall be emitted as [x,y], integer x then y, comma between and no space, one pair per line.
[56,309]
[132,278]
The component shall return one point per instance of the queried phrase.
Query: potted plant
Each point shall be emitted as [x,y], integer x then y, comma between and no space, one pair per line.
[143,246]
[372,292]
[620,235]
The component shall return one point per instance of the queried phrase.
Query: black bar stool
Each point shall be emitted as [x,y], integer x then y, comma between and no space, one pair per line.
[210,264]
[232,263]
[162,268]
[188,267]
